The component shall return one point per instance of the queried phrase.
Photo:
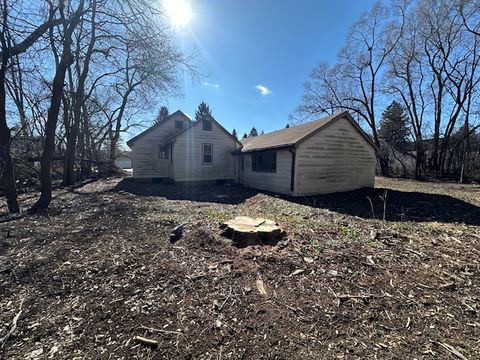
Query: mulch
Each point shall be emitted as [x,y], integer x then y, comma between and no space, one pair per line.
[98,270]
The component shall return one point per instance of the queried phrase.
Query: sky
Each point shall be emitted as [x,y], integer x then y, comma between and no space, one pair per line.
[255,55]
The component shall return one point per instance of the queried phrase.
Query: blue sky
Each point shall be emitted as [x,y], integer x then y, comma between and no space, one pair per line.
[247,43]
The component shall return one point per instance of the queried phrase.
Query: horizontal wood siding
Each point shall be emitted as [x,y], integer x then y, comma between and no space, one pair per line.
[276,182]
[337,158]
[145,161]
[188,158]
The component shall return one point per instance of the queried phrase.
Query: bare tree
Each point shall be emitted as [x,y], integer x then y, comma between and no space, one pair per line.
[406,78]
[470,13]
[66,59]
[353,83]
[82,66]
[10,50]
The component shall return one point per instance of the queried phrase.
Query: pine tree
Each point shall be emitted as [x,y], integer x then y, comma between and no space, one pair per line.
[202,111]
[286,127]
[253,132]
[234,134]
[244,136]
[162,114]
[394,127]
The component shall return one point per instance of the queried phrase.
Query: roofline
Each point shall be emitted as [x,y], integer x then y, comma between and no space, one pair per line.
[344,114]
[341,115]
[135,138]
[194,123]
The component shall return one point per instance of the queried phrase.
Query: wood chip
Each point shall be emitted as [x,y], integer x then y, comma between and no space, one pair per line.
[450,349]
[261,287]
[145,341]
[297,272]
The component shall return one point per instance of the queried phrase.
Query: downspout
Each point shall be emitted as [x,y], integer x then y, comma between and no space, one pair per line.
[292,151]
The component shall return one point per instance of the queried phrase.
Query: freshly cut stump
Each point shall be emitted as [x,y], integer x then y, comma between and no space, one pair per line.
[245,231]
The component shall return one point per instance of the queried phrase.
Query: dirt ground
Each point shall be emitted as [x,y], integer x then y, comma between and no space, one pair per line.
[389,273]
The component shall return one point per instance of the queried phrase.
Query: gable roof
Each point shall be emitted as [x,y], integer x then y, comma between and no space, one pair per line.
[178,112]
[294,135]
[195,123]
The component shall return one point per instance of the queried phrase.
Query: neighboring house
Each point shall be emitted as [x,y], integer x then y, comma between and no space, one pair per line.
[332,154]
[124,160]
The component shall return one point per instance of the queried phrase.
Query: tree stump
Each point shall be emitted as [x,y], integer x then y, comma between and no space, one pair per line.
[245,231]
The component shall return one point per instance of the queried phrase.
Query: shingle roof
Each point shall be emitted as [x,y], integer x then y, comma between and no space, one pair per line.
[293,135]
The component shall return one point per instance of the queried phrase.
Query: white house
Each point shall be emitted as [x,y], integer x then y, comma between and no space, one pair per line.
[332,154]
[181,150]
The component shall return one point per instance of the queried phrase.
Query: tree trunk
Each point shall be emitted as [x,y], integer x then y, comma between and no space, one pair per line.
[113,153]
[6,163]
[49,146]
[51,126]
[78,100]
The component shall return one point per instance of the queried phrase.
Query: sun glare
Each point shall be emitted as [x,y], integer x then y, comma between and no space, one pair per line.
[178,11]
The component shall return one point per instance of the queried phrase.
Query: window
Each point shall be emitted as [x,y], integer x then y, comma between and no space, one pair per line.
[207,125]
[264,161]
[178,124]
[207,153]
[162,152]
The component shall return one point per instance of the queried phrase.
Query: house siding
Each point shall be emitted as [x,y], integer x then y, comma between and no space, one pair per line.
[145,161]
[188,156]
[278,181]
[337,158]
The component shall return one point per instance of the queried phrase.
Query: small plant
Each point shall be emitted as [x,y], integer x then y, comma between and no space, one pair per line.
[384,199]
[371,207]
[349,231]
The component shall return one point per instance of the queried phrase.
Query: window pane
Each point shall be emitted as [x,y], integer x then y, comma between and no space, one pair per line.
[162,152]
[207,153]
[207,125]
[178,124]
[264,161]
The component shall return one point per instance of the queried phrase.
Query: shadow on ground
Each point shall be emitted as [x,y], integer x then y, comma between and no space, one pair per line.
[222,194]
[400,205]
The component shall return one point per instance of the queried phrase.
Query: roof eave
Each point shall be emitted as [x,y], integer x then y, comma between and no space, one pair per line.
[282,146]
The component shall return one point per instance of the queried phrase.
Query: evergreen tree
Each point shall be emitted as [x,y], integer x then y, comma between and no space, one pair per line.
[394,127]
[286,127]
[234,134]
[245,136]
[162,114]
[202,111]
[262,132]
[253,132]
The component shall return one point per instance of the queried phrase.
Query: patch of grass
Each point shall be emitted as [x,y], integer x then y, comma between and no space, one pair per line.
[350,231]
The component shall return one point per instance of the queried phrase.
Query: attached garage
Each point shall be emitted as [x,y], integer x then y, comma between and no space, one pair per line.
[329,155]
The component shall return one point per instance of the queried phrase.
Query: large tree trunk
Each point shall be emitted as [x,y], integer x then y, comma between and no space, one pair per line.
[51,126]
[6,164]
[49,146]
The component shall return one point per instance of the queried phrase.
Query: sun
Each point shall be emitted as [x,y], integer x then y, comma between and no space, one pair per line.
[178,11]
